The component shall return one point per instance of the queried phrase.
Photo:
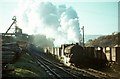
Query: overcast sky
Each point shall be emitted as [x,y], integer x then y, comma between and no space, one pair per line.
[96,16]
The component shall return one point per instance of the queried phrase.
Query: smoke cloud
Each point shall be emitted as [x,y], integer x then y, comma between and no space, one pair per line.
[60,23]
[41,40]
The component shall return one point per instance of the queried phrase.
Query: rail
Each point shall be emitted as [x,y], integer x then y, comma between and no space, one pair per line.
[93,73]
[52,69]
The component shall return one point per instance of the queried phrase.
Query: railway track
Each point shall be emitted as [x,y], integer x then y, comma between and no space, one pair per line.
[99,74]
[53,70]
[59,72]
[84,73]
[93,73]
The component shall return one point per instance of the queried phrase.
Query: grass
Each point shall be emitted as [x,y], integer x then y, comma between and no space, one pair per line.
[26,66]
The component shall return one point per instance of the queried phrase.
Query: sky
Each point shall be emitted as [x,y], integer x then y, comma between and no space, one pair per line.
[98,17]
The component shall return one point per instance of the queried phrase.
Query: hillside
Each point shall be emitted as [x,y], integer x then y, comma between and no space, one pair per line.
[26,67]
[108,40]
[92,37]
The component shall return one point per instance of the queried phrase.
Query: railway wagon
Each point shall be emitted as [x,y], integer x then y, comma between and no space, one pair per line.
[55,51]
[113,54]
[50,50]
[117,50]
[100,59]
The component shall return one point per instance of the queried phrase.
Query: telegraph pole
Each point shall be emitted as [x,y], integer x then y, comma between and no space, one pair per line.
[83,35]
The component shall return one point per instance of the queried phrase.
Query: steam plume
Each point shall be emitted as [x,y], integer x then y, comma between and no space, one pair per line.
[60,23]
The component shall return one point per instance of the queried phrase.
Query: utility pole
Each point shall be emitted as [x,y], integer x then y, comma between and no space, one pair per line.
[83,35]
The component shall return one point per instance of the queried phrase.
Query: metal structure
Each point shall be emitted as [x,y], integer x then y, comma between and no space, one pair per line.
[14,22]
[18,35]
[17,29]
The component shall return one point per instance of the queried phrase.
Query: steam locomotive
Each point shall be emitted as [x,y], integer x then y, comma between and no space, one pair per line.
[85,56]
[75,54]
